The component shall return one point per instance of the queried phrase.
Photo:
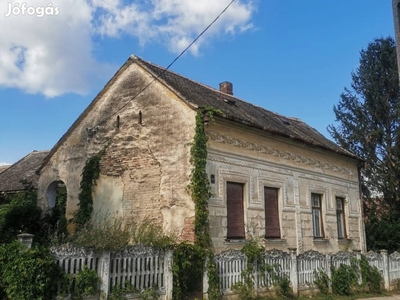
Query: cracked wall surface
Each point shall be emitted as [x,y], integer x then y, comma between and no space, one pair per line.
[145,168]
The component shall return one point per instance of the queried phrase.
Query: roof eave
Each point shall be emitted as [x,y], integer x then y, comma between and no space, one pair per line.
[271,131]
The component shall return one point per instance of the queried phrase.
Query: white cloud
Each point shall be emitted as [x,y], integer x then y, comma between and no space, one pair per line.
[52,54]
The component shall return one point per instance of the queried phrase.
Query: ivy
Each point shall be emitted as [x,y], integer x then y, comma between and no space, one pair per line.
[189,260]
[90,174]
[199,184]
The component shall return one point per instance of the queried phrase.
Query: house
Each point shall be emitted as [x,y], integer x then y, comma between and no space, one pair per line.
[270,176]
[3,168]
[21,176]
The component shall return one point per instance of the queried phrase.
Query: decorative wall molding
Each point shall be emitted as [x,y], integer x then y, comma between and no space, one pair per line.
[234,176]
[248,145]
[341,194]
[273,183]
[249,166]
[314,189]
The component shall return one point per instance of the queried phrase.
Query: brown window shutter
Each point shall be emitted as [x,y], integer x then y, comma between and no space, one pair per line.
[234,203]
[272,229]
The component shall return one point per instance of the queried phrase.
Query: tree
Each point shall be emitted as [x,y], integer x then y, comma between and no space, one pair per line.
[369,126]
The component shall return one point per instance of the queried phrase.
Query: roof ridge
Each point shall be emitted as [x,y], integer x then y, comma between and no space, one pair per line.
[240,110]
[139,59]
[187,78]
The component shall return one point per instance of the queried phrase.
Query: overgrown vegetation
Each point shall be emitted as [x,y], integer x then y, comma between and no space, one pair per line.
[27,274]
[57,216]
[192,258]
[345,280]
[322,281]
[246,290]
[87,283]
[20,215]
[145,294]
[90,174]
[112,233]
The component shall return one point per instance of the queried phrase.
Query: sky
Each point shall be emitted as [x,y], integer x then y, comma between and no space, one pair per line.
[288,56]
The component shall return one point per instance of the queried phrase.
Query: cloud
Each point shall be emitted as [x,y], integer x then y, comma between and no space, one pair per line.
[173,22]
[47,48]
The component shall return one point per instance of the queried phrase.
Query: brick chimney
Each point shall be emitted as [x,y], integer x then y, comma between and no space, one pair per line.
[226,87]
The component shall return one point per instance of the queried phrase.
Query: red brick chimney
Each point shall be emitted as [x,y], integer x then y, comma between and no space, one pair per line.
[226,87]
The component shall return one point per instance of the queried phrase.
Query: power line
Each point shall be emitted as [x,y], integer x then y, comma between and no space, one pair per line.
[163,71]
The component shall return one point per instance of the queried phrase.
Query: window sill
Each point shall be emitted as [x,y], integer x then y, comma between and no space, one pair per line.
[274,241]
[236,241]
[320,241]
[343,241]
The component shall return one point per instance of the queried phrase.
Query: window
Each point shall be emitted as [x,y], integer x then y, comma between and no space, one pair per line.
[317,216]
[340,218]
[272,229]
[235,210]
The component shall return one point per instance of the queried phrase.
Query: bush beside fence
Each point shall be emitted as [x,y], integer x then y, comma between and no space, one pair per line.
[144,267]
[300,269]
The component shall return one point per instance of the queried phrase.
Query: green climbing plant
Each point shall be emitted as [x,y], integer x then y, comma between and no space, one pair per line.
[193,258]
[90,174]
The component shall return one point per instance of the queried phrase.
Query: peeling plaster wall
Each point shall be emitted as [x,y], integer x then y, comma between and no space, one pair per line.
[145,169]
[239,154]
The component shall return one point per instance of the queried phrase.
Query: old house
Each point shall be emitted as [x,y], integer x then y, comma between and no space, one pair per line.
[270,175]
[21,176]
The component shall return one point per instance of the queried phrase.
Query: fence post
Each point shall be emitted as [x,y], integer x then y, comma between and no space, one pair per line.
[205,279]
[386,282]
[168,275]
[328,270]
[105,274]
[358,257]
[293,270]
[25,239]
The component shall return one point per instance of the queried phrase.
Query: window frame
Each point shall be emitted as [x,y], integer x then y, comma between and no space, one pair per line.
[340,212]
[277,193]
[314,210]
[243,211]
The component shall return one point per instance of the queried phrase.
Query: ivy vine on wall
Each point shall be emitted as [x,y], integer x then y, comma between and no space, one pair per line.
[90,174]
[200,191]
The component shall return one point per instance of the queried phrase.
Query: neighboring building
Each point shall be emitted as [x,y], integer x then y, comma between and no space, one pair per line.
[21,176]
[4,167]
[270,175]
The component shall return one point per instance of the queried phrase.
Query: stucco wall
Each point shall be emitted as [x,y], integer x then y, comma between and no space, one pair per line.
[145,168]
[239,154]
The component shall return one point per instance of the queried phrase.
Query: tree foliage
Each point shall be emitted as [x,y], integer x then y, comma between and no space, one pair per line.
[368,116]
[20,215]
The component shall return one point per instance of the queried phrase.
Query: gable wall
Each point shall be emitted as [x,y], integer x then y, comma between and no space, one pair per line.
[145,168]
[241,155]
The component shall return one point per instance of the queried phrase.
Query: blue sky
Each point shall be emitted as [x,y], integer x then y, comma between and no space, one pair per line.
[290,57]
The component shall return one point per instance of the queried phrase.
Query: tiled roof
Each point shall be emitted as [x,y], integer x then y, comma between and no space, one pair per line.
[4,167]
[22,174]
[241,111]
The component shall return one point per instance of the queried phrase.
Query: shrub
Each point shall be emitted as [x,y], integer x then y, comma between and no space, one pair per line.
[105,232]
[28,273]
[21,214]
[322,281]
[87,282]
[344,278]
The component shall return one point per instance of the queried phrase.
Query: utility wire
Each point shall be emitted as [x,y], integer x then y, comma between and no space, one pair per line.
[162,73]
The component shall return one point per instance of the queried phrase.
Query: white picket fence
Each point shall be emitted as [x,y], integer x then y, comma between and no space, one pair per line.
[143,267]
[300,269]
[139,267]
